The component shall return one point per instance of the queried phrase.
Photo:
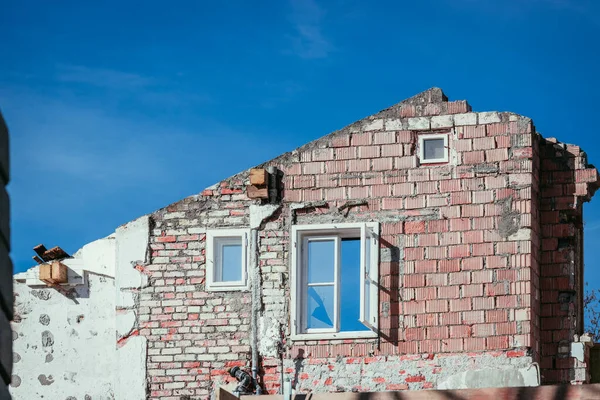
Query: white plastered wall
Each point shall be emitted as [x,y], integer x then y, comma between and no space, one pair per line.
[70,342]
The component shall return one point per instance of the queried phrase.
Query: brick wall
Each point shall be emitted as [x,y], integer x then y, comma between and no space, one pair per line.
[460,272]
[566,182]
[6,269]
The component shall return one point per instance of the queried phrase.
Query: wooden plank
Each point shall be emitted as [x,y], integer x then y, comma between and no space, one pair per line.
[54,253]
[37,260]
[258,177]
[46,273]
[59,272]
[40,249]
[254,192]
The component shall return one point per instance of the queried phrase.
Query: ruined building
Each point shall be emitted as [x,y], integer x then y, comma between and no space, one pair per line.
[425,246]
[6,270]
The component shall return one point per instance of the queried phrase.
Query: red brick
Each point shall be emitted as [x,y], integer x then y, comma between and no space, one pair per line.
[506,328]
[473,157]
[473,317]
[474,344]
[414,307]
[473,210]
[415,280]
[392,150]
[384,137]
[437,279]
[451,318]
[483,249]
[472,263]
[425,266]
[165,239]
[437,306]
[448,292]
[430,346]
[457,198]
[414,227]
[471,131]
[394,203]
[404,189]
[414,202]
[461,331]
[448,186]
[497,342]
[459,251]
[460,305]
[427,320]
[483,303]
[483,330]
[449,265]
[437,226]
[459,278]
[496,316]
[472,237]
[453,345]
[496,155]
[484,143]
[382,164]
[473,290]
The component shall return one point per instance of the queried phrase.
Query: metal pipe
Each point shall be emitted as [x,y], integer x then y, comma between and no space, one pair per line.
[254,282]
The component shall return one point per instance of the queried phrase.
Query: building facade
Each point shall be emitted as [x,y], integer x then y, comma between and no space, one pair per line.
[424,247]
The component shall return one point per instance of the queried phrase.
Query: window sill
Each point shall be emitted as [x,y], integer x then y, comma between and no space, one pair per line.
[433,162]
[243,288]
[334,336]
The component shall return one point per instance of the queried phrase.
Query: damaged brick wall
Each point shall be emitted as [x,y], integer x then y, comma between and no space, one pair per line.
[567,181]
[459,274]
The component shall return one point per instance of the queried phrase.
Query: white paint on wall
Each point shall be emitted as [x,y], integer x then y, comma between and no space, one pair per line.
[64,341]
[66,338]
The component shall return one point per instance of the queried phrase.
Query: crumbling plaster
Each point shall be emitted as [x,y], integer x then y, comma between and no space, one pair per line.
[64,340]
[80,339]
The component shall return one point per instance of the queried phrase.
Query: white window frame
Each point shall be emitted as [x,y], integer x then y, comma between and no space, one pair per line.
[423,138]
[369,233]
[212,259]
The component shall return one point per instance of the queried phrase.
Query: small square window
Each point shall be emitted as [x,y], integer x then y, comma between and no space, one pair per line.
[226,259]
[433,148]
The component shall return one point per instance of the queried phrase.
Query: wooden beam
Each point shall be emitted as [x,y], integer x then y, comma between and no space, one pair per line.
[258,177]
[54,253]
[40,249]
[254,192]
[59,272]
[54,273]
[46,273]
[37,260]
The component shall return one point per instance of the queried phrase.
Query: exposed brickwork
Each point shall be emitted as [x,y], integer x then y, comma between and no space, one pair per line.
[566,182]
[463,257]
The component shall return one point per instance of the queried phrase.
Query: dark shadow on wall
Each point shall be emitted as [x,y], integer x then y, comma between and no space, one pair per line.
[389,295]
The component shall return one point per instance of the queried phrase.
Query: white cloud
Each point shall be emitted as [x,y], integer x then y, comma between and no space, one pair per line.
[101,77]
[308,41]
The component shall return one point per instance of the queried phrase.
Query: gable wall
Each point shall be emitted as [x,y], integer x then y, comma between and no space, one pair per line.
[456,261]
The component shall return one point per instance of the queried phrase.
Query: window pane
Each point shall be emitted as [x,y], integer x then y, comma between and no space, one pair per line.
[321,261]
[350,286]
[230,262]
[320,307]
[433,149]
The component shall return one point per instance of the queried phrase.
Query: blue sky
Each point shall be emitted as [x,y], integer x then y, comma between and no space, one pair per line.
[119,108]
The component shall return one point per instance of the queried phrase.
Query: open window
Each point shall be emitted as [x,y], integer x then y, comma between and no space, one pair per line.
[433,148]
[226,259]
[335,280]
